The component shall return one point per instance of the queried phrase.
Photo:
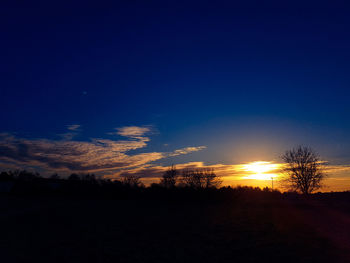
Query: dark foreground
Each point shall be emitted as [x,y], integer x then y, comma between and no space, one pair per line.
[57,229]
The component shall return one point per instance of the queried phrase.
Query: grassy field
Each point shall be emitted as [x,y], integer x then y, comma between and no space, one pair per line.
[82,230]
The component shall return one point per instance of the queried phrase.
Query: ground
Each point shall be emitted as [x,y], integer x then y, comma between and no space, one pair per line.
[56,229]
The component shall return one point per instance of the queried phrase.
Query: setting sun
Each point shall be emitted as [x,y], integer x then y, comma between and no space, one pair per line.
[260,170]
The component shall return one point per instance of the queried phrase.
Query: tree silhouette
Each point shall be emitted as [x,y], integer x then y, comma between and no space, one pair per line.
[4,176]
[169,178]
[303,169]
[25,175]
[131,180]
[88,178]
[200,178]
[211,179]
[74,177]
[55,176]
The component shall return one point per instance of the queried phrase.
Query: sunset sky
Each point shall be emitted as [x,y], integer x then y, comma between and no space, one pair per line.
[135,86]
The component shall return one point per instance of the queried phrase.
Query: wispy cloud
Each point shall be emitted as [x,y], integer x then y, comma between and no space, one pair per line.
[85,156]
[133,131]
[73,131]
[187,150]
[73,127]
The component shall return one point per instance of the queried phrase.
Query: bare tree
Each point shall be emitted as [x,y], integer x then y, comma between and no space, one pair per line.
[191,178]
[88,177]
[24,175]
[169,178]
[131,180]
[55,176]
[303,170]
[210,178]
[6,176]
[74,177]
[200,178]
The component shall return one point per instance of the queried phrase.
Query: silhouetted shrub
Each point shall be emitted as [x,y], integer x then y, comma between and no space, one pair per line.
[200,178]
[4,176]
[169,178]
[74,177]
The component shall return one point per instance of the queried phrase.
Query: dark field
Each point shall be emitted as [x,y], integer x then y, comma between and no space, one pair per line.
[58,229]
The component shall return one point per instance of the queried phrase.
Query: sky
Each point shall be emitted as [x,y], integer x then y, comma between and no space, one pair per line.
[118,87]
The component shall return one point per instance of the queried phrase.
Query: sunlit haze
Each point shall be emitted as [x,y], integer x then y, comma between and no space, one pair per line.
[260,170]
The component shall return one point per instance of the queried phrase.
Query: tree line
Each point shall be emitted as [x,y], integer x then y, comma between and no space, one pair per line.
[198,178]
[303,172]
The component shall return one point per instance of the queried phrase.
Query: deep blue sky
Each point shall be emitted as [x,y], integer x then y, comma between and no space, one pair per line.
[246,80]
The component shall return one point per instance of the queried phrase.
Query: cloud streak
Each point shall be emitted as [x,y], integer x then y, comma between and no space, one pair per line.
[134,132]
[73,131]
[73,127]
[186,150]
[95,155]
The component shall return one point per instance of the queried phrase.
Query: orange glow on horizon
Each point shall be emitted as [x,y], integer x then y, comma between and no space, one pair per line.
[260,170]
